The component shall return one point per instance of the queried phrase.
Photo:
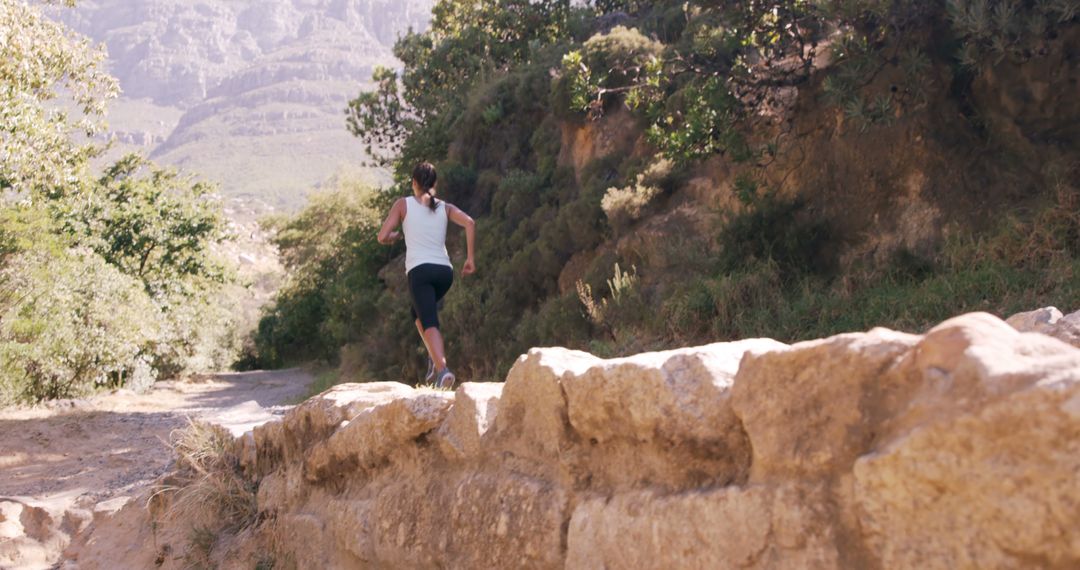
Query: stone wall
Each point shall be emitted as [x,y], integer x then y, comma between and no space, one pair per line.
[955,449]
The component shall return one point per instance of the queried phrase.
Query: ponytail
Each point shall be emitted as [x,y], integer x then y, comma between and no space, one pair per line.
[432,202]
[425,176]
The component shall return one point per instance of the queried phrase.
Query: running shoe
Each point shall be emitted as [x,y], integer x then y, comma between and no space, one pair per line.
[446,380]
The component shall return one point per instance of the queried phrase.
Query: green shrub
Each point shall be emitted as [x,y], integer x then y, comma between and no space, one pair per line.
[334,258]
[778,230]
[994,29]
[70,323]
[607,64]
[518,196]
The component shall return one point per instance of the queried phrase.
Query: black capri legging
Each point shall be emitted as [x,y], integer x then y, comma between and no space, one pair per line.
[428,283]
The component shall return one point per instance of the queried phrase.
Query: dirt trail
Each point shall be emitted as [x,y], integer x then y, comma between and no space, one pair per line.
[61,464]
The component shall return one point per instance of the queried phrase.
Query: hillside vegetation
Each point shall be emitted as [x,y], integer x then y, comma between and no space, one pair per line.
[107,278]
[654,174]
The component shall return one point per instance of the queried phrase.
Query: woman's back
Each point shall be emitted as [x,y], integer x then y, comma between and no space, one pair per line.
[425,234]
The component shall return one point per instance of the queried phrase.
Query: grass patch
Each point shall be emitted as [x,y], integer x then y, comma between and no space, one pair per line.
[756,302]
[771,281]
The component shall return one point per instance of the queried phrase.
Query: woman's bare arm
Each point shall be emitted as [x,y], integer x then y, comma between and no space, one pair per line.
[388,235]
[464,220]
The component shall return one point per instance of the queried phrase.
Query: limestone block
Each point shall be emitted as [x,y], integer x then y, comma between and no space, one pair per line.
[969,361]
[475,408]
[366,441]
[318,417]
[788,526]
[305,537]
[532,419]
[483,520]
[811,410]
[674,396]
[351,522]
[1035,321]
[996,488]
[1067,329]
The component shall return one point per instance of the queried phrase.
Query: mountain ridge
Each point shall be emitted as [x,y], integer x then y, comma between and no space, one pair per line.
[247,94]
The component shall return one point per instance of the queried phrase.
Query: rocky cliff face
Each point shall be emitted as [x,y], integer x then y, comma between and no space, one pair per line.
[956,449]
[250,94]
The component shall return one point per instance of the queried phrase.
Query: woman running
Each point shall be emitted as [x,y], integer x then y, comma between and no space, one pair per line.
[423,220]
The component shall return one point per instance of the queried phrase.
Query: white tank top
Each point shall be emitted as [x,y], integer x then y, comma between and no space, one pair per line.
[425,234]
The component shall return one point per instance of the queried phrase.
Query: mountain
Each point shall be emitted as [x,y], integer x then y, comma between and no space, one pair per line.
[249,94]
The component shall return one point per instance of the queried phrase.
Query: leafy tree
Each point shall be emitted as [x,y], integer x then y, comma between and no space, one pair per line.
[43,66]
[103,282]
[333,259]
[151,223]
[410,117]
[380,118]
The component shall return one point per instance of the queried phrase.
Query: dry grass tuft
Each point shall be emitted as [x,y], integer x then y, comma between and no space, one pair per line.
[208,492]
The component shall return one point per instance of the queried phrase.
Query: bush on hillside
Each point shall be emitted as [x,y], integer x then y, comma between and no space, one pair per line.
[623,206]
[70,323]
[773,229]
[994,29]
[606,65]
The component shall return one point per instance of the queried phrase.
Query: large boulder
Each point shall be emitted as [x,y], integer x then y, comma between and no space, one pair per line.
[532,420]
[660,419]
[981,471]
[810,410]
[475,407]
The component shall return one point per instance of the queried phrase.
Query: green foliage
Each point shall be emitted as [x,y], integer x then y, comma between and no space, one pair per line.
[379,118]
[774,230]
[468,44]
[157,226]
[103,282]
[503,119]
[310,238]
[42,66]
[606,65]
[698,122]
[994,29]
[694,91]
[333,258]
[1002,273]
[69,323]
[77,312]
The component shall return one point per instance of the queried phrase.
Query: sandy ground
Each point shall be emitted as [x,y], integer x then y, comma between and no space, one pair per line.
[60,464]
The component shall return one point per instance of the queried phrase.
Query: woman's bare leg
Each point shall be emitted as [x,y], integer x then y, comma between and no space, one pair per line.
[434,341]
[423,337]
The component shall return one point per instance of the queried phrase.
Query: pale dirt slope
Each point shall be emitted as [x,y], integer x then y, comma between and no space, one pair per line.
[59,465]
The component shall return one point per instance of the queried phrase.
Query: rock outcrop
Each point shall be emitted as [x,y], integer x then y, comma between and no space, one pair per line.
[1051,322]
[959,448]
